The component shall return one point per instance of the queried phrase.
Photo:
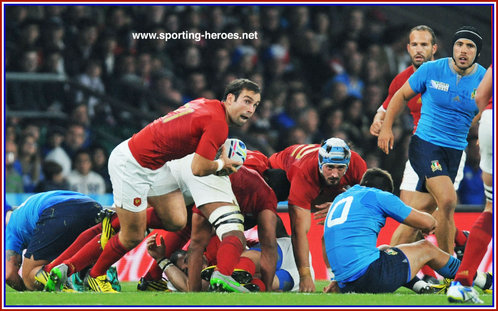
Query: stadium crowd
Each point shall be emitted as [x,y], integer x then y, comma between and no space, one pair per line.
[320,78]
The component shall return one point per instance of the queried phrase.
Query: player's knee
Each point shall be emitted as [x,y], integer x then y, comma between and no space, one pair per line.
[176,224]
[226,219]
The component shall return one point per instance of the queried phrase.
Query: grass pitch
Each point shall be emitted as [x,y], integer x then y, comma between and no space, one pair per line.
[130,297]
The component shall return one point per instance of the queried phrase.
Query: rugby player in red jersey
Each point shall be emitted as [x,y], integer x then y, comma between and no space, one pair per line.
[317,174]
[139,175]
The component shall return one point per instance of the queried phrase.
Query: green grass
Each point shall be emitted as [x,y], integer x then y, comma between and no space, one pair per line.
[131,297]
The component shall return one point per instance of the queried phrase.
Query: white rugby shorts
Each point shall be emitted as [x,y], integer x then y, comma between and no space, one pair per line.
[486,141]
[410,178]
[132,183]
[202,190]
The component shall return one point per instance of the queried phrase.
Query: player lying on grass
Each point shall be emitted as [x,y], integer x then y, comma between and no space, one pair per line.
[351,229]
[44,225]
[247,271]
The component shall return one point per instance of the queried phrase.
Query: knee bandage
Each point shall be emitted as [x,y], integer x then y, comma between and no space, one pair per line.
[227,218]
[488,192]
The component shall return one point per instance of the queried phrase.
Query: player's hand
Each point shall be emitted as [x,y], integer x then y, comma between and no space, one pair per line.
[333,287]
[385,141]
[230,166]
[321,213]
[306,284]
[375,127]
[156,251]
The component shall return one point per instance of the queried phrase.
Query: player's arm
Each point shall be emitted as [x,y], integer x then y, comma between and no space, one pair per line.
[12,266]
[223,166]
[396,105]
[421,220]
[300,220]
[201,234]
[484,90]
[267,222]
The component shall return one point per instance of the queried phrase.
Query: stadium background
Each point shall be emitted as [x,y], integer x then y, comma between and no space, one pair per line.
[74,64]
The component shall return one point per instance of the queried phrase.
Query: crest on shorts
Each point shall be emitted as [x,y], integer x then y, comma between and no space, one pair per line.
[137,201]
[391,251]
[435,166]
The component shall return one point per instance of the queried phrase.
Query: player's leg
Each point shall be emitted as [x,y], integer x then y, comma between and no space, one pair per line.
[171,210]
[441,187]
[405,234]
[424,252]
[482,229]
[228,223]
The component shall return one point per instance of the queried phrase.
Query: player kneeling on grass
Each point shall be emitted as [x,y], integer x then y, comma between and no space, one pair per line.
[42,228]
[351,229]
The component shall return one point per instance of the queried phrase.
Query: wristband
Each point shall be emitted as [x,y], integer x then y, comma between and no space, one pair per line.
[221,163]
[304,271]
[164,263]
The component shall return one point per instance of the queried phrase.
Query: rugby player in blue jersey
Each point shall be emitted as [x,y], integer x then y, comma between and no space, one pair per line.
[44,225]
[350,234]
[448,87]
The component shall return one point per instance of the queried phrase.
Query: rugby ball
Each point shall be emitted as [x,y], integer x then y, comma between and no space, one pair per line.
[236,150]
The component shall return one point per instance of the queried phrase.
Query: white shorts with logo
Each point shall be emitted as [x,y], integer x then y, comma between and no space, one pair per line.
[132,183]
[410,178]
[200,190]
[486,141]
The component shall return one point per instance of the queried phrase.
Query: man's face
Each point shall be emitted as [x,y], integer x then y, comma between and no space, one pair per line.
[464,53]
[332,173]
[182,263]
[242,108]
[83,163]
[420,47]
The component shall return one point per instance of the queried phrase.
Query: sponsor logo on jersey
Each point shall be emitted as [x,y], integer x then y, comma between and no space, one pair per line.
[440,85]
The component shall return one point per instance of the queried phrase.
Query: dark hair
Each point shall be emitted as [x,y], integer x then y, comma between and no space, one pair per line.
[425,28]
[174,257]
[51,168]
[236,86]
[377,178]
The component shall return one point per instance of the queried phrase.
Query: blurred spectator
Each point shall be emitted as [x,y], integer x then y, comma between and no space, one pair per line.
[53,35]
[296,135]
[82,179]
[78,53]
[351,77]
[15,15]
[196,84]
[13,180]
[30,160]
[91,79]
[81,116]
[355,123]
[54,178]
[99,165]
[74,140]
[27,95]
[309,121]
[106,53]
[54,151]
[29,35]
[119,22]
